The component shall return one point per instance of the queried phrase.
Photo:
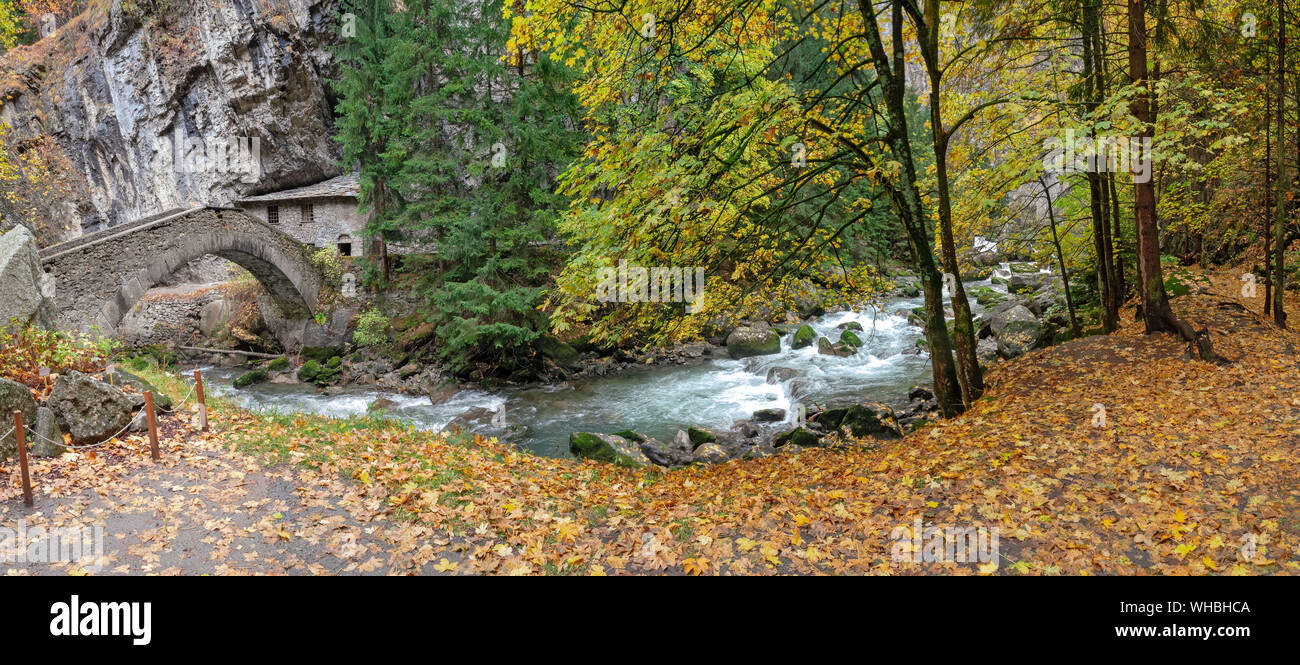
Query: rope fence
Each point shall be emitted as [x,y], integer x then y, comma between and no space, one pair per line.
[149,412]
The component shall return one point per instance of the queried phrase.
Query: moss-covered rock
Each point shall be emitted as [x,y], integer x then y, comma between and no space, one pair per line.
[850,325]
[851,338]
[798,436]
[986,296]
[278,365]
[804,336]
[320,353]
[700,436]
[607,448]
[754,339]
[558,351]
[249,378]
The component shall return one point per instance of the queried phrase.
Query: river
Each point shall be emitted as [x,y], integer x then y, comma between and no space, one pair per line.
[656,400]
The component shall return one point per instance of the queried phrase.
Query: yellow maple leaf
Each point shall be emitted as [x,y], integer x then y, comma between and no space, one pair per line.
[444,566]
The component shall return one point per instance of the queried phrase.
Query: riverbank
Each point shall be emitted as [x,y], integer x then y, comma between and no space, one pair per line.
[1192,466]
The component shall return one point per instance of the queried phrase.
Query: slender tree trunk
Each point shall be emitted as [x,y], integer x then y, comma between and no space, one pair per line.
[1060,258]
[1265,231]
[1096,197]
[1279,221]
[891,69]
[1156,313]
[969,373]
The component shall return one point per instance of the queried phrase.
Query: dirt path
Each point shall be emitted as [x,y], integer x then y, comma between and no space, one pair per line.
[204,510]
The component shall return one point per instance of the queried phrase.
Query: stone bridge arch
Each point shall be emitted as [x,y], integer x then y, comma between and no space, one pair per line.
[100,277]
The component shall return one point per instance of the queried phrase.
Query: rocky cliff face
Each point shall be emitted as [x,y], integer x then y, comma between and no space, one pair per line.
[198,104]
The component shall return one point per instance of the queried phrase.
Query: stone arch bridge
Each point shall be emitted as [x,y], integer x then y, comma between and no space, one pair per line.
[100,277]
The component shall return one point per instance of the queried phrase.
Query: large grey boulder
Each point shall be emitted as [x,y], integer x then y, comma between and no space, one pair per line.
[1017,331]
[88,409]
[753,339]
[26,292]
[14,396]
[214,316]
[47,442]
[1027,283]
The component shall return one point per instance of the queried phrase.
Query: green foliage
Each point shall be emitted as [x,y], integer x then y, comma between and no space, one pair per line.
[445,158]
[372,328]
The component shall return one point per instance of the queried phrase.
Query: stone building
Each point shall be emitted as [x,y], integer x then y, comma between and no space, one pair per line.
[324,214]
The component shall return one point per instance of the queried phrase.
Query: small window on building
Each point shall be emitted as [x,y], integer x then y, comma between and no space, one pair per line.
[308,214]
[273,214]
[345,245]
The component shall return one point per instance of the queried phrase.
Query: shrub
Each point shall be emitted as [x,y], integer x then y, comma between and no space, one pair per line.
[29,353]
[372,328]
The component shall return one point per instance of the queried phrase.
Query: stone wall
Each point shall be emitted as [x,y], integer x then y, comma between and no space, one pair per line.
[167,315]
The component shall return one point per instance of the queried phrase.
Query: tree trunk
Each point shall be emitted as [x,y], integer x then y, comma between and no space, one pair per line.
[1279,221]
[1156,313]
[1266,232]
[1060,258]
[1096,197]
[891,69]
[969,373]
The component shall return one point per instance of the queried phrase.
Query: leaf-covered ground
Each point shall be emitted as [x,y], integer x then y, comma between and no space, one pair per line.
[1195,461]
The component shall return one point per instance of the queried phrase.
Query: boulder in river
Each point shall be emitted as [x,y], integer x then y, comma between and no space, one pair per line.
[850,325]
[804,336]
[851,338]
[251,377]
[381,404]
[840,350]
[14,396]
[1027,283]
[607,448]
[26,291]
[782,374]
[700,436]
[753,339]
[88,409]
[769,415]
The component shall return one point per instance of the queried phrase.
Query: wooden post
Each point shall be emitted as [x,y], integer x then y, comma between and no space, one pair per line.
[22,458]
[203,402]
[153,423]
